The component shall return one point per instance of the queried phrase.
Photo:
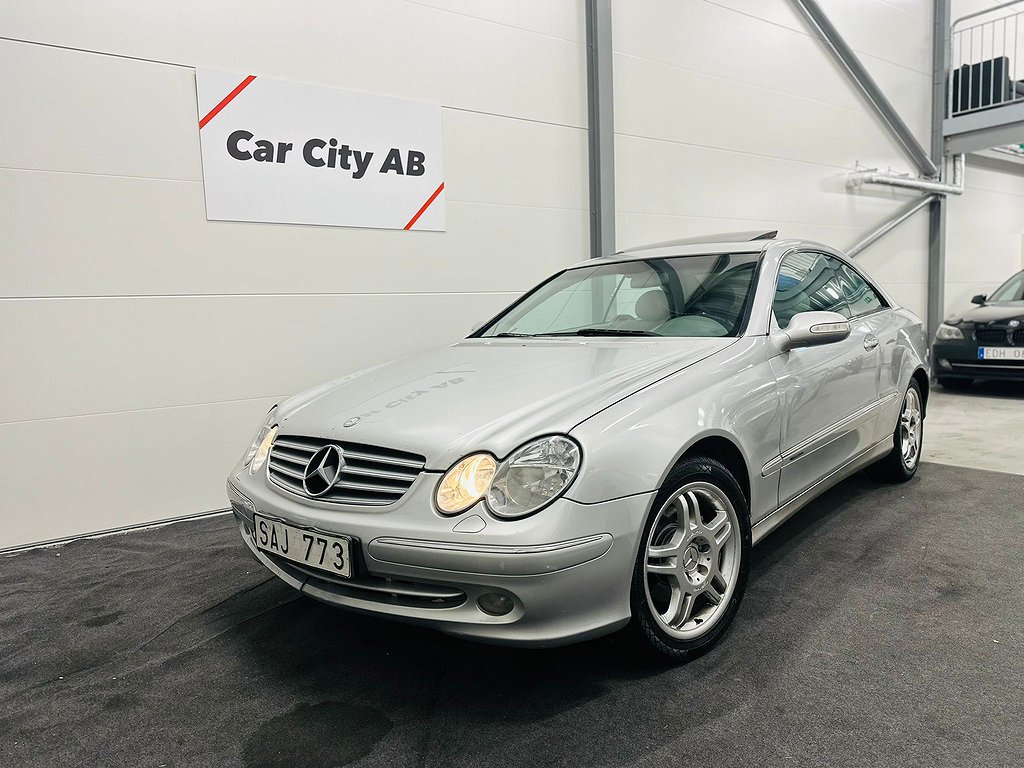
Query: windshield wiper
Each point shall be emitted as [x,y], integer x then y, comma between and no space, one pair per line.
[507,335]
[608,332]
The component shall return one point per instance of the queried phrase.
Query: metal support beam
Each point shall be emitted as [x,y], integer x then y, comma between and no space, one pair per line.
[867,86]
[937,209]
[601,128]
[890,224]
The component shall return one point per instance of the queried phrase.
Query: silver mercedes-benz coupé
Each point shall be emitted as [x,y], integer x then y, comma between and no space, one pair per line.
[602,453]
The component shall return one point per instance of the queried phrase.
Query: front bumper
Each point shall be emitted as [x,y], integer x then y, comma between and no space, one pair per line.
[959,360]
[567,569]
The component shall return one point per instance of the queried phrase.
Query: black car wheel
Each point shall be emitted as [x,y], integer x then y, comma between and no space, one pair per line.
[901,463]
[691,569]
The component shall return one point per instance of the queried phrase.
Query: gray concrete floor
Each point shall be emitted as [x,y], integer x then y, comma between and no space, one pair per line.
[981,427]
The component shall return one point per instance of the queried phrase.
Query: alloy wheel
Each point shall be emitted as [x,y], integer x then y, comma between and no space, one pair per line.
[911,433]
[692,560]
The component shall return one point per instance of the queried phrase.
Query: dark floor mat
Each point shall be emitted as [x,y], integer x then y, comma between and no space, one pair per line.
[882,626]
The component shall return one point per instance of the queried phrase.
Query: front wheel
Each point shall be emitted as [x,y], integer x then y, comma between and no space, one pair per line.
[901,463]
[691,568]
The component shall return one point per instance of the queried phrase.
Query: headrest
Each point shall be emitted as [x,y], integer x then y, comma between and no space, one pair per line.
[652,306]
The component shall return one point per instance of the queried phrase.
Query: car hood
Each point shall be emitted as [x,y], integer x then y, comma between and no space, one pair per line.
[486,394]
[991,313]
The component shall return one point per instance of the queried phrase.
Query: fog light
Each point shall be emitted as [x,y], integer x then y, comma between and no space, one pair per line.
[944,364]
[495,604]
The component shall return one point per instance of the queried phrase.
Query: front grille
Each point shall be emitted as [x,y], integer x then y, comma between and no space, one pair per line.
[1018,337]
[372,476]
[995,336]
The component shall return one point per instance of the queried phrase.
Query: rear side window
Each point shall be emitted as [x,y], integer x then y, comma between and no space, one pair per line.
[807,283]
[860,296]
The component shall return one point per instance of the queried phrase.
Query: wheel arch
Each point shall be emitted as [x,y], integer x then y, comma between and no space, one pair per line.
[721,449]
[920,375]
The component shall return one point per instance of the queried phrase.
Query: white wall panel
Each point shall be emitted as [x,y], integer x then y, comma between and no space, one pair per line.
[558,18]
[748,118]
[872,28]
[119,469]
[382,46]
[655,176]
[710,38]
[104,355]
[137,237]
[97,114]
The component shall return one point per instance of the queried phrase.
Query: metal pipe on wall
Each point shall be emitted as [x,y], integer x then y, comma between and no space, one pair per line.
[892,179]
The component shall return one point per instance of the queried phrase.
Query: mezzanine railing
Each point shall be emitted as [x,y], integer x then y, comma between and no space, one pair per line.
[986,59]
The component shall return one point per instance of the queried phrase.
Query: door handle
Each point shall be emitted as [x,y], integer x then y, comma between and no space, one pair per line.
[870,342]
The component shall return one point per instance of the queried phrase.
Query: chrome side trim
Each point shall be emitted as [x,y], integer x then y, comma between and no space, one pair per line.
[829,434]
[767,524]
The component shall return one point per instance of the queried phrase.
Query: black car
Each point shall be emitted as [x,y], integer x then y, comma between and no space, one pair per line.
[986,342]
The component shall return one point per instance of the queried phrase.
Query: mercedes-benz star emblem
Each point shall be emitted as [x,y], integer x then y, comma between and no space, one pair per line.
[323,470]
[351,422]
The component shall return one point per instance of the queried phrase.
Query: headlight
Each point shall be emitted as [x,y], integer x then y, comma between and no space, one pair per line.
[533,476]
[262,451]
[948,332]
[530,478]
[261,441]
[466,483]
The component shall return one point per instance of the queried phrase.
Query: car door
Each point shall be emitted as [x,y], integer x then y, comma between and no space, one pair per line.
[828,392]
[870,310]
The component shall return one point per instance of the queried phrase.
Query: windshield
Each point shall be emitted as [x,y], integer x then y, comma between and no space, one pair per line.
[681,296]
[1011,290]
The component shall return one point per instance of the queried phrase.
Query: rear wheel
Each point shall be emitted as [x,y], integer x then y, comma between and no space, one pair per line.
[691,569]
[902,461]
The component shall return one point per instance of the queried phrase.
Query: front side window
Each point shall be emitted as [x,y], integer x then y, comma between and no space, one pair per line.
[680,296]
[807,284]
[860,296]
[1011,290]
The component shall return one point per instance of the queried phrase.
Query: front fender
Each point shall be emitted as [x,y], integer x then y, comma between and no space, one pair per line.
[630,447]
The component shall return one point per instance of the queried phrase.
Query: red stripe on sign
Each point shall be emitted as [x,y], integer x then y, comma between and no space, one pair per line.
[226,100]
[426,205]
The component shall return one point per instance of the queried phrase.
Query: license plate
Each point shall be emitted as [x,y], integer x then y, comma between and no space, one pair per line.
[1001,353]
[332,554]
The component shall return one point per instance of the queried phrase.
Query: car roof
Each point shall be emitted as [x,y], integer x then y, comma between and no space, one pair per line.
[754,241]
[719,238]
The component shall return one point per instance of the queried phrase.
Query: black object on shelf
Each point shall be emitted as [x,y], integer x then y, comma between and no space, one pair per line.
[984,84]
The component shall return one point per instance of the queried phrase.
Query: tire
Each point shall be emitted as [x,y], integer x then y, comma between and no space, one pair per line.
[673,596]
[901,463]
[957,385]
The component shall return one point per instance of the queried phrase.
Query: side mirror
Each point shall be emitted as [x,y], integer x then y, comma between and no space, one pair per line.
[979,299]
[809,329]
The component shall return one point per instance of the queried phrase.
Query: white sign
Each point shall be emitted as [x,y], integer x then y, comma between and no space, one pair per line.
[293,153]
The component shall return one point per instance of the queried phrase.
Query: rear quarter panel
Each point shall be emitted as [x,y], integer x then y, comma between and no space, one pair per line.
[904,344]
